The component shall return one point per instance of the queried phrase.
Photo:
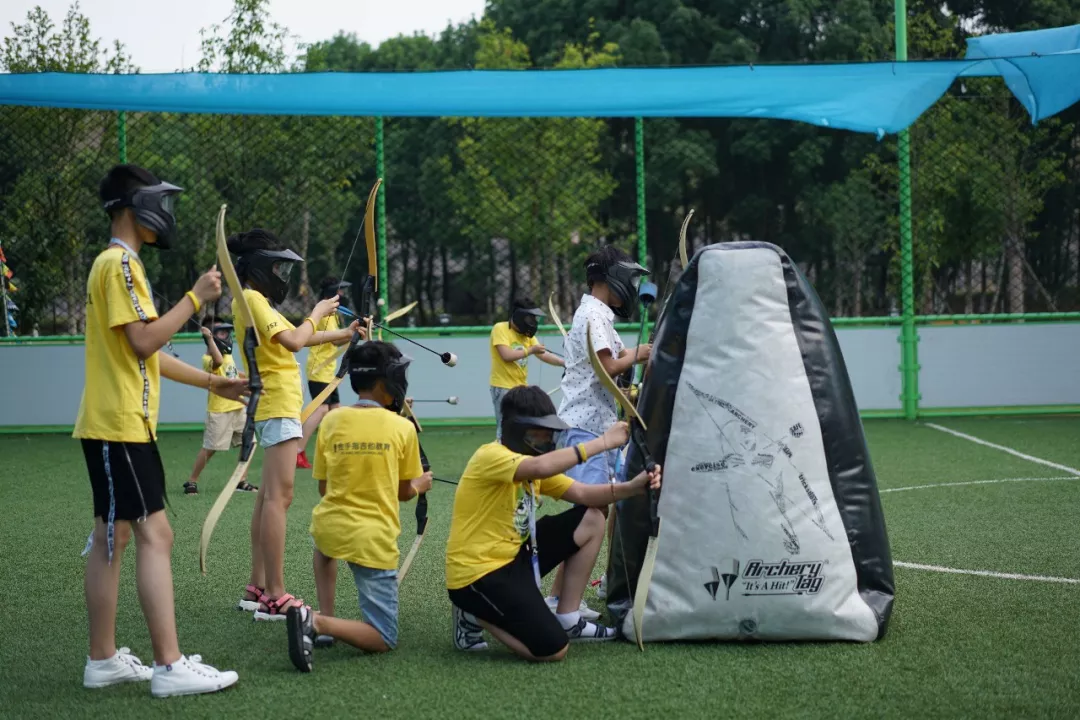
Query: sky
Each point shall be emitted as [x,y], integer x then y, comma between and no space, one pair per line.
[163,35]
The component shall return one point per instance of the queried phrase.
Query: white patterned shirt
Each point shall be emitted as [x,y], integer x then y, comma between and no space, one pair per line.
[586,405]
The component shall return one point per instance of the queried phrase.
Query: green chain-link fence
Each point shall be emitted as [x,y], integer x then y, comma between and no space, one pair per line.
[995,221]
[479,210]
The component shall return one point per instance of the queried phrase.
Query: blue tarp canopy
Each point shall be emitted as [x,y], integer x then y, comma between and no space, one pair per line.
[1042,68]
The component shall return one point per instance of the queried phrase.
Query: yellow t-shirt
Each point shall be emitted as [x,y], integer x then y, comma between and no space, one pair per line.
[491,514]
[282,396]
[120,397]
[509,374]
[362,454]
[319,354]
[216,403]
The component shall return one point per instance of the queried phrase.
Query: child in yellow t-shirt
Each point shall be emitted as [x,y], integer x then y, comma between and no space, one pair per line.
[321,368]
[512,342]
[498,550]
[367,460]
[264,267]
[224,418]
[117,428]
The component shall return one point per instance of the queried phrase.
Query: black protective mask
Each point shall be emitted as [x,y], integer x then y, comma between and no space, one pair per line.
[269,271]
[395,379]
[224,346]
[332,290]
[623,279]
[153,206]
[514,428]
[526,320]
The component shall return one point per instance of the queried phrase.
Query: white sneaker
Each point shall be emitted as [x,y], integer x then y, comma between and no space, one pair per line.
[601,592]
[586,612]
[468,635]
[189,676]
[123,667]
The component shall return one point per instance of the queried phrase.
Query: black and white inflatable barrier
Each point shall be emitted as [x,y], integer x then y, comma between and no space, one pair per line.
[771,522]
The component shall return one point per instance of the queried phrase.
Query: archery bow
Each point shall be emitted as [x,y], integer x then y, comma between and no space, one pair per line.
[555,315]
[251,342]
[421,500]
[682,239]
[558,324]
[673,273]
[390,317]
[368,301]
[400,312]
[637,435]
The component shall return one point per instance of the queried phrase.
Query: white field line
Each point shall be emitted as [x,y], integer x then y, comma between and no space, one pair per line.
[977,482]
[1017,453]
[988,573]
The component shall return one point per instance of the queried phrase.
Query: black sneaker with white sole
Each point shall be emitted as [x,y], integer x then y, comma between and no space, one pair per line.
[468,635]
[301,630]
[191,488]
[586,631]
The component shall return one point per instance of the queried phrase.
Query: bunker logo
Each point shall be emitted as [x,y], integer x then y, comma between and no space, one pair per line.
[766,578]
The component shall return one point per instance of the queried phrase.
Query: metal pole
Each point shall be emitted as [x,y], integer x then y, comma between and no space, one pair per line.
[121,134]
[380,217]
[639,176]
[639,163]
[909,340]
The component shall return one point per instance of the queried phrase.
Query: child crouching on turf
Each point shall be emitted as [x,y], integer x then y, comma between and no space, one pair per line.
[498,550]
[367,459]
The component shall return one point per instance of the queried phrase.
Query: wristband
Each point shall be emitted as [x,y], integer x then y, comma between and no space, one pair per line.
[581,453]
[194,300]
[313,328]
[612,484]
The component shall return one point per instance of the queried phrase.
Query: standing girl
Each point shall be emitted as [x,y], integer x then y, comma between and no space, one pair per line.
[264,267]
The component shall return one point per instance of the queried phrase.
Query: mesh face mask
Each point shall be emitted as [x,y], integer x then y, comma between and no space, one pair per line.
[283,270]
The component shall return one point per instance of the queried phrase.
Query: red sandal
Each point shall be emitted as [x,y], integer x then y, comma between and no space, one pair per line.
[251,604]
[276,608]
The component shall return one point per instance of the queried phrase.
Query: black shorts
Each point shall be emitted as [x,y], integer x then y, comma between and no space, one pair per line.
[508,597]
[315,388]
[129,477]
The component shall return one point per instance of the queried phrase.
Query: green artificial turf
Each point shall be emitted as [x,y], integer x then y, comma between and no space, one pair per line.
[957,646]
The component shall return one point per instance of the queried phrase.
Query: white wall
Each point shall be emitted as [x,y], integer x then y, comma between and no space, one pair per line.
[962,366]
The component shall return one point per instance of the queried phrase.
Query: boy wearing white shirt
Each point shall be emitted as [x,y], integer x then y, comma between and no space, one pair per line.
[587,407]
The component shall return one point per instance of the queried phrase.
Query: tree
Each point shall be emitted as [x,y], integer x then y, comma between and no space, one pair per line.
[49,209]
[1013,16]
[536,182]
[301,177]
[249,42]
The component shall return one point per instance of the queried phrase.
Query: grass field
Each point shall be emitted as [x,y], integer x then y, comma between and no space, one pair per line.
[958,645]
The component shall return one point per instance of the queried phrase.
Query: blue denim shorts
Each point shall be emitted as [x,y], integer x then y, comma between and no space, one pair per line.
[277,430]
[598,469]
[377,591]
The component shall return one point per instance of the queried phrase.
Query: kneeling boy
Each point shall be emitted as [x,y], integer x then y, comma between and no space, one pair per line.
[367,459]
[498,550]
